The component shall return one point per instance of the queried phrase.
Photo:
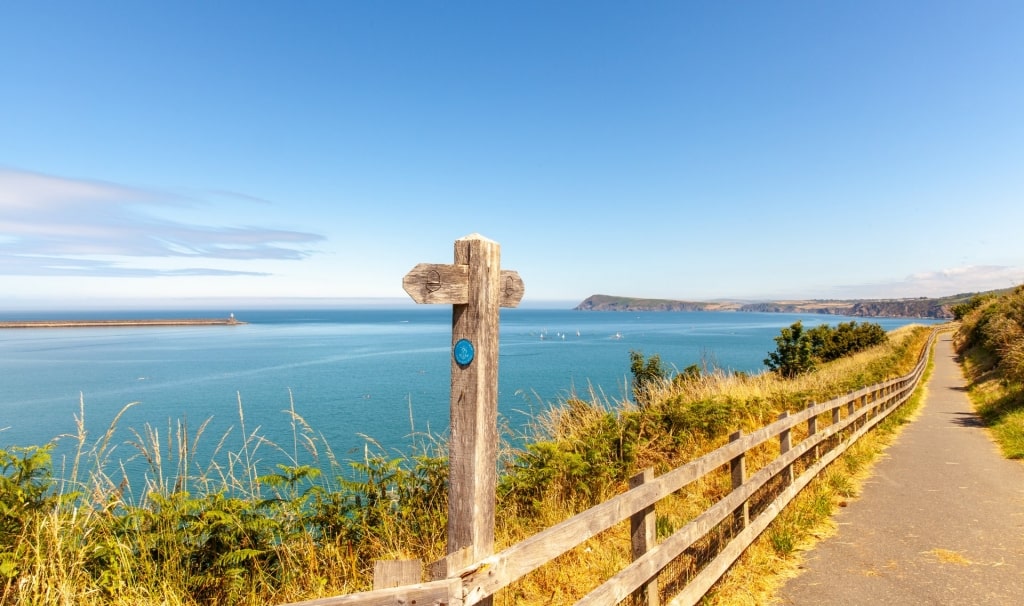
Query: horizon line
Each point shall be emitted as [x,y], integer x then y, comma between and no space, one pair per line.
[299,302]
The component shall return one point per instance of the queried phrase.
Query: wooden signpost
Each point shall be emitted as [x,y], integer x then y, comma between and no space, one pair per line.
[476,287]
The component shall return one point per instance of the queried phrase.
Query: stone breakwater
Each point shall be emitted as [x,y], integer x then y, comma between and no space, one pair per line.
[115,323]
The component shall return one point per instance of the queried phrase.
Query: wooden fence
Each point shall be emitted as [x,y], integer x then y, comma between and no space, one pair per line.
[730,525]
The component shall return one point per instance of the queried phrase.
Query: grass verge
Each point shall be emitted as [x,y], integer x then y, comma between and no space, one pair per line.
[999,402]
[990,341]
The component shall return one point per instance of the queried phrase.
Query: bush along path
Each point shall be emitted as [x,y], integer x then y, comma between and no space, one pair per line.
[940,522]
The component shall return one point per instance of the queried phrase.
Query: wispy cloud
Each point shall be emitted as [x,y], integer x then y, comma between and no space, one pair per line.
[939,283]
[970,278]
[59,226]
[238,196]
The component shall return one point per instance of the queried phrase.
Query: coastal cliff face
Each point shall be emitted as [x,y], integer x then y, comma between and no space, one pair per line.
[609,303]
[899,308]
[909,308]
[881,308]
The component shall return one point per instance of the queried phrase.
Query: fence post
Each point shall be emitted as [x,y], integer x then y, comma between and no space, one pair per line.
[785,443]
[812,428]
[738,469]
[643,526]
[836,437]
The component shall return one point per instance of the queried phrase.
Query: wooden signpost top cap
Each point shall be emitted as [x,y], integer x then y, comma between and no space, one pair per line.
[476,236]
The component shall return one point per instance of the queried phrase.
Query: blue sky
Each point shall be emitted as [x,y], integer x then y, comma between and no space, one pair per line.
[152,153]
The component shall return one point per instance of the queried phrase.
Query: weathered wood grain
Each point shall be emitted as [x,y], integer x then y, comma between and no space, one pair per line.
[785,443]
[396,573]
[437,593]
[476,286]
[510,289]
[473,440]
[438,283]
[643,529]
[738,473]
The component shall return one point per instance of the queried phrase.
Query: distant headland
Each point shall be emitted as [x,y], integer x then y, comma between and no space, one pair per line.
[229,321]
[869,308]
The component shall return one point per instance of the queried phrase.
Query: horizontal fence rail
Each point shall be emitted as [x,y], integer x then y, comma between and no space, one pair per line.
[849,417]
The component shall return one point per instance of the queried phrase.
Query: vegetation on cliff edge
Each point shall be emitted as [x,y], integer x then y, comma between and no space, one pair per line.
[991,344]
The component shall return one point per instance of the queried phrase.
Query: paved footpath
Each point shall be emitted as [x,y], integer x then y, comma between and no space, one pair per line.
[940,521]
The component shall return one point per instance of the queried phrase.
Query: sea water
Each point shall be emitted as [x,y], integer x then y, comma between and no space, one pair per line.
[356,377]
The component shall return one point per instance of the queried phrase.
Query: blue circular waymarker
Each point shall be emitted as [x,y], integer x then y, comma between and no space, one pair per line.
[463,352]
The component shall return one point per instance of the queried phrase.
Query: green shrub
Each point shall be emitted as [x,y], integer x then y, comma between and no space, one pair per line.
[647,374]
[580,467]
[960,310]
[799,350]
[26,484]
[388,497]
[846,338]
[26,490]
[709,418]
[793,353]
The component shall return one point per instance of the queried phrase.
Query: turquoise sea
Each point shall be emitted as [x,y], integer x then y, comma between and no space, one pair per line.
[352,374]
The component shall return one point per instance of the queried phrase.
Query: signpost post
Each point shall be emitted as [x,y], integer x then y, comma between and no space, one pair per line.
[476,287]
